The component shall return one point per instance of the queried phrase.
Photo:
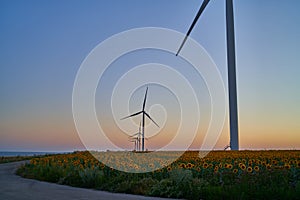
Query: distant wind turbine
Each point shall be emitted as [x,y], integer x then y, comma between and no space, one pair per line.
[233,111]
[138,137]
[135,140]
[144,113]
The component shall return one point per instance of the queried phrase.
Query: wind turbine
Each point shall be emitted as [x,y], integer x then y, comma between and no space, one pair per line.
[233,112]
[138,137]
[144,113]
[135,140]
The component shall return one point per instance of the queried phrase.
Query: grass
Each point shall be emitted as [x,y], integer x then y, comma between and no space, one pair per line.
[219,175]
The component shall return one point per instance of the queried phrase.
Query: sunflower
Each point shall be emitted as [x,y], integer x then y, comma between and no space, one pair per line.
[274,162]
[205,165]
[189,165]
[259,162]
[216,169]
[169,168]
[159,170]
[249,169]
[182,165]
[151,165]
[235,171]
[242,166]
[287,166]
[256,168]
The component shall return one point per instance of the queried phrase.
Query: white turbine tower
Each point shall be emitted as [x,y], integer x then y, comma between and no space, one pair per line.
[233,111]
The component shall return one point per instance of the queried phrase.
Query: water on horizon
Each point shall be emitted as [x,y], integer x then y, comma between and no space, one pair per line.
[25,153]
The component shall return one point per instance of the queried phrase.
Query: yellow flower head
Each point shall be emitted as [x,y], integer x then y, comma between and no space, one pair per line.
[249,169]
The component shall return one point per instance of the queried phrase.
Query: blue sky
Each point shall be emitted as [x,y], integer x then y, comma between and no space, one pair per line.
[43,44]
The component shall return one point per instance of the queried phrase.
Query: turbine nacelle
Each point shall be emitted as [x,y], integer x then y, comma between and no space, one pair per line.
[141,112]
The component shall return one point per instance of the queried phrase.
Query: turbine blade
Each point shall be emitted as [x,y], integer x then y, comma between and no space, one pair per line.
[151,119]
[183,42]
[134,135]
[132,115]
[145,98]
[204,4]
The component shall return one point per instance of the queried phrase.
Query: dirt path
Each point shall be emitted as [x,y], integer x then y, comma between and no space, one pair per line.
[13,187]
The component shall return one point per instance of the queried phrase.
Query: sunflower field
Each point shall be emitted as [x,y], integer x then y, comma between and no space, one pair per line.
[218,175]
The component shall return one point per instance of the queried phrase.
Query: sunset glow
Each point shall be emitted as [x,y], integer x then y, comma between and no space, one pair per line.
[43,45]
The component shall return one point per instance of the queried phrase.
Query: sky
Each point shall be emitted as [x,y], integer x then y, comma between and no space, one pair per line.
[43,44]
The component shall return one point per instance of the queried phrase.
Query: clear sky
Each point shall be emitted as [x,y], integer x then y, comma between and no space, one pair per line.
[43,43]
